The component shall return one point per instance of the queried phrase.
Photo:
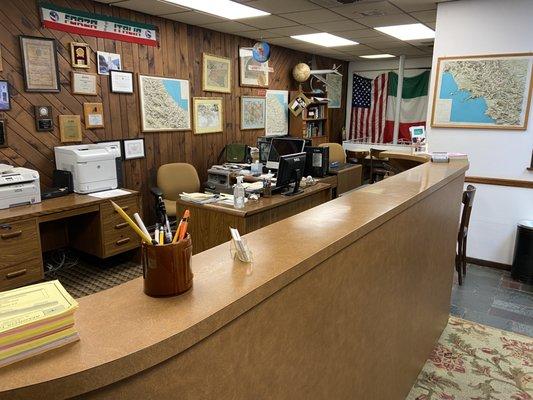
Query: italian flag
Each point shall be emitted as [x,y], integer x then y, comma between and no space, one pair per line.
[413,108]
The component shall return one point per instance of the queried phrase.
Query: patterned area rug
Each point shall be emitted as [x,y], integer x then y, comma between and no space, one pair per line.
[476,362]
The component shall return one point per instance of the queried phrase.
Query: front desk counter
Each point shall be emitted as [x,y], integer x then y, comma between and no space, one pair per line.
[340,298]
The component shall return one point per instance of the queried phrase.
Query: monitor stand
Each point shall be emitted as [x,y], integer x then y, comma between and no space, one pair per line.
[298,174]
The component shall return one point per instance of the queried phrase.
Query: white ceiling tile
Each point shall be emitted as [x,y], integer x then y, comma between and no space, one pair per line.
[293,30]
[337,26]
[381,39]
[358,50]
[408,51]
[314,16]
[282,6]
[228,27]
[432,25]
[360,34]
[386,20]
[150,7]
[415,5]
[194,18]
[425,16]
[360,10]
[267,22]
[260,34]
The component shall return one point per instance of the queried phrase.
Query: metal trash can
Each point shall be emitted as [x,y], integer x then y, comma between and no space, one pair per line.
[522,268]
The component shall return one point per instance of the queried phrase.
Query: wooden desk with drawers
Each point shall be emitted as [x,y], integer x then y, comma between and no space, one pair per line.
[84,222]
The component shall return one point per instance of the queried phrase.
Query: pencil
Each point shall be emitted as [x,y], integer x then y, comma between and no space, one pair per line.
[130,222]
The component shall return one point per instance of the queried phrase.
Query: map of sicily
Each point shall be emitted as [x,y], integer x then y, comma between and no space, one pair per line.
[483,92]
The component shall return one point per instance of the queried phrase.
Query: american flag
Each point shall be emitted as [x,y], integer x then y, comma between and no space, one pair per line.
[369,101]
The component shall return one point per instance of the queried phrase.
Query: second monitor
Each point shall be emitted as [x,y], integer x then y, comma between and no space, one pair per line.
[283,147]
[291,169]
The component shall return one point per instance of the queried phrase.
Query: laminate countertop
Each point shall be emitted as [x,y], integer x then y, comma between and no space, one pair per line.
[124,332]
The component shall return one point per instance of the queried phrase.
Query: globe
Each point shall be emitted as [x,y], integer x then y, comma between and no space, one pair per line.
[301,72]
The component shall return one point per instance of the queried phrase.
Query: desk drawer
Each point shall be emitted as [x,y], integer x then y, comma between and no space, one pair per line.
[120,241]
[129,204]
[21,274]
[19,241]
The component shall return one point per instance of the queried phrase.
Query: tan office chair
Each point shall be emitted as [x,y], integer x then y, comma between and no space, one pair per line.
[336,152]
[174,179]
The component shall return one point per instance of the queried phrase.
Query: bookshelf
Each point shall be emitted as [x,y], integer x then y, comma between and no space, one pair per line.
[312,123]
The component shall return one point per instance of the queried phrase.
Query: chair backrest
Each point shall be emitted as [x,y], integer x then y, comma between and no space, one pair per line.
[468,201]
[336,152]
[176,178]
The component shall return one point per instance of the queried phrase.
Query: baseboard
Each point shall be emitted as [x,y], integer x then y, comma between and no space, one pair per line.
[490,264]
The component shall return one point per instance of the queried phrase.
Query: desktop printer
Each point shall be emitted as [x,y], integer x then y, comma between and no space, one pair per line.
[18,186]
[93,166]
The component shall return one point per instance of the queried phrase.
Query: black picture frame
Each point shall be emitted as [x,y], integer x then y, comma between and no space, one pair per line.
[3,133]
[125,156]
[27,88]
[8,100]
[116,72]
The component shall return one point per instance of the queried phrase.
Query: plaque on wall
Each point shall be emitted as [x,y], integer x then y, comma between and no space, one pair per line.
[80,54]
[43,118]
[94,115]
[70,128]
[39,64]
[83,83]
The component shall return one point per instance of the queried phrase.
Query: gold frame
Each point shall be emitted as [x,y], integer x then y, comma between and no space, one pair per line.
[87,107]
[205,87]
[241,113]
[196,101]
[73,57]
[467,126]
[241,71]
[72,80]
[63,120]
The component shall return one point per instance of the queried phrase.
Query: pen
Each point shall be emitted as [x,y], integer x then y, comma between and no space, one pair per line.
[141,224]
[185,222]
[130,222]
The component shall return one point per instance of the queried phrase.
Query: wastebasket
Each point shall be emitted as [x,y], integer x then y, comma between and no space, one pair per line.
[522,268]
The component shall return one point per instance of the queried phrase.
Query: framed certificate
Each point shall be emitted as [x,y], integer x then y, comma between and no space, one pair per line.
[70,128]
[133,148]
[39,64]
[121,81]
[94,115]
[83,83]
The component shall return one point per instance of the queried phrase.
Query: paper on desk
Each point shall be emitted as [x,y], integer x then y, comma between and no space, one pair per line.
[107,194]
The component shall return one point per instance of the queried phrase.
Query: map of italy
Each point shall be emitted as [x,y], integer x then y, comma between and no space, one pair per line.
[485,91]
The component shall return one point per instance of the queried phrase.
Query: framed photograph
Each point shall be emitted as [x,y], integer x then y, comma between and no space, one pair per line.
[483,92]
[251,72]
[165,104]
[216,75]
[277,113]
[107,62]
[298,104]
[83,83]
[5,96]
[121,81]
[3,133]
[133,148]
[80,54]
[208,115]
[252,112]
[39,64]
[94,115]
[70,128]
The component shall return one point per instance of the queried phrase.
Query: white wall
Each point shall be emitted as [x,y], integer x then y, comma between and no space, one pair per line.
[471,27]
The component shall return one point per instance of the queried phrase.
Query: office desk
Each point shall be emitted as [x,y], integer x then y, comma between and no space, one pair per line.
[349,177]
[83,222]
[209,223]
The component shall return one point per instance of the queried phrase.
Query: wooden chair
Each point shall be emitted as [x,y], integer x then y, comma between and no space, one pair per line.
[460,257]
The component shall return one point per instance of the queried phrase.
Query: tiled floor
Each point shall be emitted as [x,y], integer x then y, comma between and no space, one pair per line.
[490,297]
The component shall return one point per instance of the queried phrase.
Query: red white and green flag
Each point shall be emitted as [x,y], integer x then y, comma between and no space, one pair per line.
[97,25]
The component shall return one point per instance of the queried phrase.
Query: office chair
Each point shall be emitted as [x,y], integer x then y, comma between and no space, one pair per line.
[460,257]
[336,152]
[173,179]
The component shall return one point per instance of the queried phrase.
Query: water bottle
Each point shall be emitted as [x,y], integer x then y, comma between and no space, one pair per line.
[238,193]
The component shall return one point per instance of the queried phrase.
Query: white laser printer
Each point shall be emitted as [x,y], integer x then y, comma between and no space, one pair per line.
[92,166]
[18,186]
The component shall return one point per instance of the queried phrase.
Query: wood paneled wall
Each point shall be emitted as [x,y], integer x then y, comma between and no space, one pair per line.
[179,56]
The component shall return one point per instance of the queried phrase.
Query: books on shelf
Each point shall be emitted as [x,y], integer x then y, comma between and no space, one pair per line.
[35,319]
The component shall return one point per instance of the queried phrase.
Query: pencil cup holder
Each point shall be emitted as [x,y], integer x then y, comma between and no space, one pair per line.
[167,268]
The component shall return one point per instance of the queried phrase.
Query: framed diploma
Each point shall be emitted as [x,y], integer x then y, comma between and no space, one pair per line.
[83,83]
[79,55]
[121,81]
[70,128]
[39,64]
[94,115]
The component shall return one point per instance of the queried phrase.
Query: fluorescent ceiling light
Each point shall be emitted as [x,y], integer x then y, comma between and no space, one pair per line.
[324,39]
[408,32]
[378,56]
[222,8]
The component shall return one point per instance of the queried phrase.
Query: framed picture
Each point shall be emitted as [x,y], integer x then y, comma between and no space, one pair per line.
[165,104]
[483,92]
[94,115]
[1,62]
[298,104]
[277,112]
[80,54]
[39,64]
[216,75]
[5,97]
[252,112]
[121,81]
[70,128]
[334,90]
[107,62]
[83,83]
[251,72]
[3,133]
[208,115]
[133,148]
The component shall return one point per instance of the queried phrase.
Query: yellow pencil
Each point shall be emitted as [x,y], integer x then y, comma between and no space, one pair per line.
[130,222]
[161,237]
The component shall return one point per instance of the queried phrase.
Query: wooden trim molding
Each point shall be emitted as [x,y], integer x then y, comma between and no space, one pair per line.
[490,264]
[499,181]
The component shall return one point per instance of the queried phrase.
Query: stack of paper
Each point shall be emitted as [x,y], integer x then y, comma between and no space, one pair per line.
[35,319]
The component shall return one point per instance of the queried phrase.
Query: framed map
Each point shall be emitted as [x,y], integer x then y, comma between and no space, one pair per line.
[252,112]
[251,72]
[165,104]
[208,114]
[216,75]
[334,90]
[488,92]
[277,112]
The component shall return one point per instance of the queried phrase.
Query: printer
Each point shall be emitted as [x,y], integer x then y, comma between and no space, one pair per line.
[93,166]
[18,186]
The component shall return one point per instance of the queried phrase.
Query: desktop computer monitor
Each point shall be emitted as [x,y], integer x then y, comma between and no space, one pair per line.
[291,169]
[282,147]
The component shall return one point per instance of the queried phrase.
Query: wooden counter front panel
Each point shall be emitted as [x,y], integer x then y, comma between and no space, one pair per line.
[360,325]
